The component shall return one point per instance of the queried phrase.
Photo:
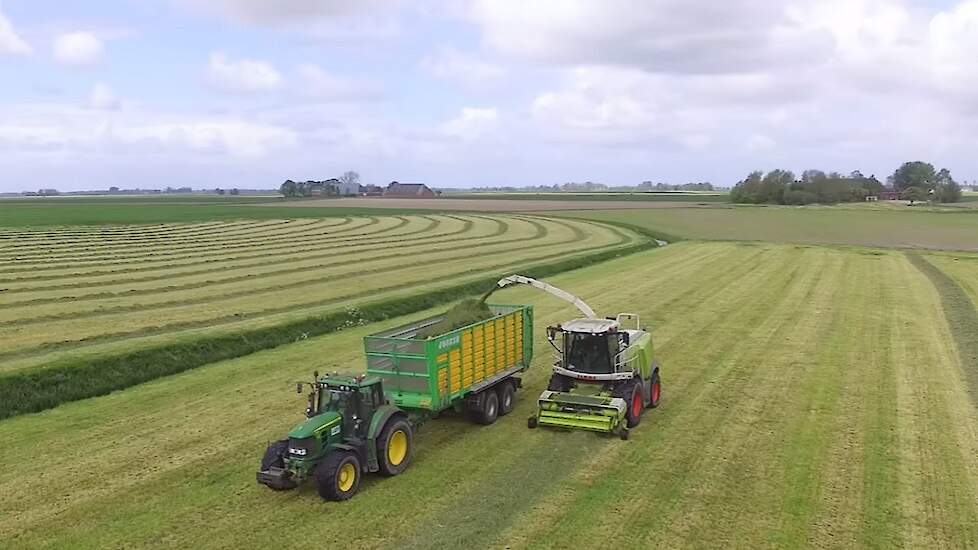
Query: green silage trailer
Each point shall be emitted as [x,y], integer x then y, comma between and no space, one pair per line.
[455,369]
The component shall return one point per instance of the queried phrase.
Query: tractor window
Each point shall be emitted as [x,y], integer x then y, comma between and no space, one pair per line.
[588,353]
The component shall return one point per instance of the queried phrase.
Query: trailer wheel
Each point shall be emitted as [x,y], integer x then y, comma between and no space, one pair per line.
[656,391]
[395,446]
[338,476]
[487,409]
[507,398]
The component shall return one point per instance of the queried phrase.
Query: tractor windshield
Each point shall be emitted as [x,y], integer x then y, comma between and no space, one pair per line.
[334,400]
[588,353]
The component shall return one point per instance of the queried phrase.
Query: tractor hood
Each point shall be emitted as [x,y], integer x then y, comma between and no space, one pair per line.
[317,425]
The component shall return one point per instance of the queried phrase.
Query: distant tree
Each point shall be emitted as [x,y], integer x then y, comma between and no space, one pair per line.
[812,176]
[913,174]
[856,175]
[219,191]
[773,186]
[945,188]
[350,177]
[748,190]
[289,188]
[235,191]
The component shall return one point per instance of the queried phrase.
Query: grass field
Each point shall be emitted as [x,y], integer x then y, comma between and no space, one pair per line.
[814,397]
[879,227]
[96,289]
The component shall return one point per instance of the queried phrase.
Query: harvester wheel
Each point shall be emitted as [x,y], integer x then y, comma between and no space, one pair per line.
[487,409]
[656,391]
[507,398]
[395,446]
[636,405]
[338,476]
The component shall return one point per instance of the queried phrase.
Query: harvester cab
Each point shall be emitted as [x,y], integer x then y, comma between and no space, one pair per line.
[604,375]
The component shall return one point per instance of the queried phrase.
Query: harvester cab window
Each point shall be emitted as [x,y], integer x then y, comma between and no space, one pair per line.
[589,353]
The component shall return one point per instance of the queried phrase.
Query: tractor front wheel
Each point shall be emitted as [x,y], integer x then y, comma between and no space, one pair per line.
[275,455]
[395,446]
[338,476]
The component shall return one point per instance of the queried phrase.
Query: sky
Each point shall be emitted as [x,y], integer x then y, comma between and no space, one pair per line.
[465,93]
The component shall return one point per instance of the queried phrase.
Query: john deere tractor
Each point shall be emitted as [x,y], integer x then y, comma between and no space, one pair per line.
[604,376]
[350,429]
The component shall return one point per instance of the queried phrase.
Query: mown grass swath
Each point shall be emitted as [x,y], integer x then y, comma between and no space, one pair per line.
[24,392]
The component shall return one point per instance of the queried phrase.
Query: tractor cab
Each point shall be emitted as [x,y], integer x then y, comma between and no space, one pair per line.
[354,398]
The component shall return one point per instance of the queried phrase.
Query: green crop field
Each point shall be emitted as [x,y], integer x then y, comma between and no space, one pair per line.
[890,227]
[814,397]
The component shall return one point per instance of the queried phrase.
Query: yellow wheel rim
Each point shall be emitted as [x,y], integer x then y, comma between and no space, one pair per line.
[397,448]
[346,477]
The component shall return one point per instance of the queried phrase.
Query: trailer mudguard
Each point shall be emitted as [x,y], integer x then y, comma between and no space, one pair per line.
[377,423]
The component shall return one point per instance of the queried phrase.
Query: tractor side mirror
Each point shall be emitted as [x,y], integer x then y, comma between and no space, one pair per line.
[298,387]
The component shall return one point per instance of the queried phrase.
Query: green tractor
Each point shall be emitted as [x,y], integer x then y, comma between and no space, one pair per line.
[604,376]
[350,429]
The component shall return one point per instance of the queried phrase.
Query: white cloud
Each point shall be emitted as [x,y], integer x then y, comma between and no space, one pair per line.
[10,42]
[53,127]
[243,76]
[471,123]
[77,49]
[315,83]
[264,12]
[102,97]
[450,64]
[674,36]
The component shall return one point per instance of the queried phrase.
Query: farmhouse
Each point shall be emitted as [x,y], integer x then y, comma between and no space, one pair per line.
[409,191]
[371,190]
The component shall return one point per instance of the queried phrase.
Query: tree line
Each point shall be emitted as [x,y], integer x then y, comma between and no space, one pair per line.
[914,181]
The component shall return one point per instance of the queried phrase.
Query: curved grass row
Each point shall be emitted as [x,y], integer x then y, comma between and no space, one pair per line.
[50,244]
[253,272]
[307,229]
[56,250]
[257,252]
[8,238]
[250,283]
[252,302]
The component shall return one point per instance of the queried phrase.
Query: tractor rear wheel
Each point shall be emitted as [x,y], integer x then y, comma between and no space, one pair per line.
[507,398]
[656,391]
[338,475]
[395,446]
[487,408]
